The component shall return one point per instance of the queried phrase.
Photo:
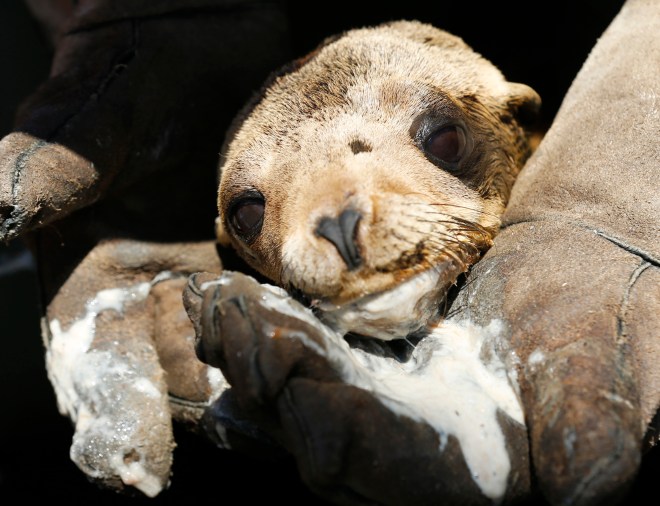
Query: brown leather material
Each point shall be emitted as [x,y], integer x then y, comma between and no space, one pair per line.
[114,103]
[290,378]
[110,175]
[573,274]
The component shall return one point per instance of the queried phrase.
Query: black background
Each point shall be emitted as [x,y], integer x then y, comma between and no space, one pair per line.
[541,44]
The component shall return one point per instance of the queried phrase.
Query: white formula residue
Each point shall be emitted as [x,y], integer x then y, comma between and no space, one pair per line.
[390,314]
[536,357]
[134,474]
[455,382]
[447,385]
[67,347]
[217,382]
[90,385]
[147,387]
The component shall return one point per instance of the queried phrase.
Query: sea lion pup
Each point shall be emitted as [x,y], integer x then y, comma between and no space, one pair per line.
[371,173]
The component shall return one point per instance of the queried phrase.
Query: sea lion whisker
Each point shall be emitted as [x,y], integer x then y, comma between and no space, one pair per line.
[450,234]
[409,342]
[418,217]
[458,206]
[470,226]
[455,219]
[470,223]
[444,239]
[454,256]
[452,220]
[423,235]
[444,204]
[435,205]
[456,226]
[465,250]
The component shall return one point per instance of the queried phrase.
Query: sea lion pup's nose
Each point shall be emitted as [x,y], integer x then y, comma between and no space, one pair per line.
[341,232]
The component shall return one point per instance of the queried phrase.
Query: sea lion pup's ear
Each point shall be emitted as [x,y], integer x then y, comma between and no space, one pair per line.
[522,102]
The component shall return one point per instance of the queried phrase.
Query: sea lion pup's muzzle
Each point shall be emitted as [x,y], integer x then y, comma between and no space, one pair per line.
[372,173]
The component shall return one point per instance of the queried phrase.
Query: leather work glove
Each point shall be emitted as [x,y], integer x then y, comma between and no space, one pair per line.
[574,274]
[110,176]
[565,305]
[363,426]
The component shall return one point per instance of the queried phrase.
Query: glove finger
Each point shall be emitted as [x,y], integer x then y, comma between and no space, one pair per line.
[245,329]
[106,324]
[105,371]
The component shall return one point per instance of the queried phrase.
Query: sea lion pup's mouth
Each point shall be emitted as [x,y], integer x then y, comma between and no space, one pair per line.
[404,309]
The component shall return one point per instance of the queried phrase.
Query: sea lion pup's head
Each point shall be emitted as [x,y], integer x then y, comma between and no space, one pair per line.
[371,173]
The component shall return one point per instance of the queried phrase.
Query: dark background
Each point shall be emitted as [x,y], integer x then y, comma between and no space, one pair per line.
[543,46]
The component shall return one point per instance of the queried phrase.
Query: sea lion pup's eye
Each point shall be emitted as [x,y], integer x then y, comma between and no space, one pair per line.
[447,144]
[246,215]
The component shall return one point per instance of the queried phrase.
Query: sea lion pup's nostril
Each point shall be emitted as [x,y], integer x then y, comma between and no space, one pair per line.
[341,232]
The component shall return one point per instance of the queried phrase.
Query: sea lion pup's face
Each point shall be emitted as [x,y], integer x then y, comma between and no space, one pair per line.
[373,172]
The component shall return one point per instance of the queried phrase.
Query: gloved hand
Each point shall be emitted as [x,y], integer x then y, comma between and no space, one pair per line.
[574,274]
[569,290]
[444,425]
[110,176]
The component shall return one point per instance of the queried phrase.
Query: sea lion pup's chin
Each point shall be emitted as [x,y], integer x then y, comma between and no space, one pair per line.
[371,173]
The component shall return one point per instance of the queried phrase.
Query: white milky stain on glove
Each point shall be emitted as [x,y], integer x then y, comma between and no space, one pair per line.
[455,381]
[103,391]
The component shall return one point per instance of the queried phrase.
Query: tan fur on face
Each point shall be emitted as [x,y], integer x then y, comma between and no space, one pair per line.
[339,131]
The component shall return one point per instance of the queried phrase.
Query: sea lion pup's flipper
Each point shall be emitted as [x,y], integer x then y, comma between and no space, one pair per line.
[575,276]
[364,428]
